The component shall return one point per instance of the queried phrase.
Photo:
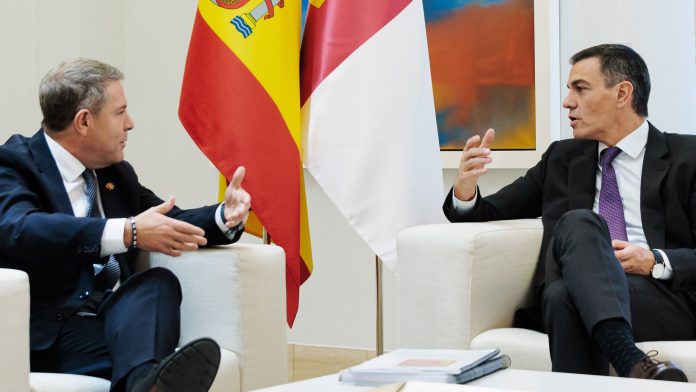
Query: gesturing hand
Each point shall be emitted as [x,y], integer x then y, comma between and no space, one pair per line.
[160,233]
[634,259]
[475,156]
[237,200]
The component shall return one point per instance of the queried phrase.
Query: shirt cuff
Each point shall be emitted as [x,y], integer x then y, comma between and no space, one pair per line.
[229,233]
[112,237]
[463,206]
[667,275]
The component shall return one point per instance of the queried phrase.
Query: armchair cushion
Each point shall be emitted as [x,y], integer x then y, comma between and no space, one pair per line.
[530,349]
[227,380]
[14,330]
[56,382]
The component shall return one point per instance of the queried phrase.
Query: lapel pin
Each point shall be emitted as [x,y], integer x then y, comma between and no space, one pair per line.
[110,186]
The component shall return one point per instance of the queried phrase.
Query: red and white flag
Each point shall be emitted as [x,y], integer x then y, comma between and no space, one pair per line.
[368,119]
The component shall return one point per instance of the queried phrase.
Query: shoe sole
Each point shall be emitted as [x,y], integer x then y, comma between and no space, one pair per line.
[191,369]
[672,375]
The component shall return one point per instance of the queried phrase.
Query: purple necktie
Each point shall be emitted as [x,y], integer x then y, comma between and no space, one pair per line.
[610,206]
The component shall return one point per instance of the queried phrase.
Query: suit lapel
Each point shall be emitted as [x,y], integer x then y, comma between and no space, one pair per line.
[49,171]
[656,164]
[108,192]
[113,189]
[582,173]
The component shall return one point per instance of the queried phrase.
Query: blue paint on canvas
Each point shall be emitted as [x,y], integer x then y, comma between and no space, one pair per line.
[436,9]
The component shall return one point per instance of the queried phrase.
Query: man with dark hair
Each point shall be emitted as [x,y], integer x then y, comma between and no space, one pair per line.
[617,262]
[74,216]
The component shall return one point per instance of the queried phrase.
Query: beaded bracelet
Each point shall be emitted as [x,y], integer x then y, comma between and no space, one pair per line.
[134,233]
[222,213]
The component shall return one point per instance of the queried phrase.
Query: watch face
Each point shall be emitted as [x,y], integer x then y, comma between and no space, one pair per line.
[657,270]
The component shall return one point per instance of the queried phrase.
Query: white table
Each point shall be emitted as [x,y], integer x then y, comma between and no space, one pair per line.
[511,379]
[530,380]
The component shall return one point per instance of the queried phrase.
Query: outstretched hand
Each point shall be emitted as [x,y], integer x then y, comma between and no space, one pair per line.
[237,200]
[475,156]
[159,233]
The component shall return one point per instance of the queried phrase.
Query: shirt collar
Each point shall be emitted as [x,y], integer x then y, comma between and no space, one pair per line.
[633,143]
[70,168]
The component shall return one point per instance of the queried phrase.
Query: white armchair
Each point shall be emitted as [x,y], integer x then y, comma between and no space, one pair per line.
[234,294]
[459,285]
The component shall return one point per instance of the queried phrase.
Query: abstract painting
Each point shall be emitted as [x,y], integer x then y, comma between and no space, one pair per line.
[482,64]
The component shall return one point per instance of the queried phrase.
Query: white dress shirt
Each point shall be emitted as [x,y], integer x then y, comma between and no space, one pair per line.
[71,169]
[628,166]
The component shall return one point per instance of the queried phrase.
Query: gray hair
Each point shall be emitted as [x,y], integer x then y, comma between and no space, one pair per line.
[72,86]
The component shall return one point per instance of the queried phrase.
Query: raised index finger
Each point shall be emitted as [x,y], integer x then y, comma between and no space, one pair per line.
[237,177]
[488,138]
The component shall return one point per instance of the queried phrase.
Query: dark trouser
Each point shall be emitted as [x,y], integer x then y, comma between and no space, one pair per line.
[138,323]
[585,284]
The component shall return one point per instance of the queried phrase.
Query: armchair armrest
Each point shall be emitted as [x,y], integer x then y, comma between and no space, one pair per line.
[14,330]
[235,294]
[457,280]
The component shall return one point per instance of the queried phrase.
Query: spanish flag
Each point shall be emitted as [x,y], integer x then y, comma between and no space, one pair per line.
[240,104]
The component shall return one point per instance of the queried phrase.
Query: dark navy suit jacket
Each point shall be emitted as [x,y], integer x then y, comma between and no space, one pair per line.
[40,235]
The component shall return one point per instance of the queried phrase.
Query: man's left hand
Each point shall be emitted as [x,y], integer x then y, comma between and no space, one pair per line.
[237,200]
[634,259]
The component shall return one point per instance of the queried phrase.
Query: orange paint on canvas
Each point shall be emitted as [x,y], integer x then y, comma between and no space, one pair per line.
[482,64]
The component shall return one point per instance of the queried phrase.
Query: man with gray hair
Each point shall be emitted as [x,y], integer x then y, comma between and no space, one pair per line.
[618,203]
[74,216]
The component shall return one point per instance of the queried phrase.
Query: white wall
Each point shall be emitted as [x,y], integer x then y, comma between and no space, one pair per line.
[35,36]
[661,31]
[148,41]
[156,37]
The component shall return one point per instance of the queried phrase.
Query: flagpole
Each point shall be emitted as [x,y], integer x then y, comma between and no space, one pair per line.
[266,237]
[380,325]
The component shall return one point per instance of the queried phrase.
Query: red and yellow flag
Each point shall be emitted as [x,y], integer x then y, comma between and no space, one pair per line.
[240,104]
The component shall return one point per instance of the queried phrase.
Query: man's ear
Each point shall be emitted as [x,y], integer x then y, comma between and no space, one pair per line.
[624,93]
[82,121]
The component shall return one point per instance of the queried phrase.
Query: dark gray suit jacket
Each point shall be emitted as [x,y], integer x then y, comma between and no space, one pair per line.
[564,180]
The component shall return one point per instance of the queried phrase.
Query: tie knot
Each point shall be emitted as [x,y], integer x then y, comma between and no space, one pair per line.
[88,176]
[608,155]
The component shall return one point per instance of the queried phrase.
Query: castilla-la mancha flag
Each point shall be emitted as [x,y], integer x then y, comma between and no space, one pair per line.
[368,117]
[240,104]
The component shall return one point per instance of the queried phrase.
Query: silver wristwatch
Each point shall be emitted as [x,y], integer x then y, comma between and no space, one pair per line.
[658,270]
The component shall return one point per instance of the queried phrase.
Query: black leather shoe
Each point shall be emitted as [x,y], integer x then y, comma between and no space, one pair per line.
[190,369]
[652,369]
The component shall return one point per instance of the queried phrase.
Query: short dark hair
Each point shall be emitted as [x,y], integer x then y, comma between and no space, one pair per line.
[620,63]
[72,86]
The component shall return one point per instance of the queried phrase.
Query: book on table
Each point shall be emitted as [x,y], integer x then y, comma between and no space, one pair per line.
[448,366]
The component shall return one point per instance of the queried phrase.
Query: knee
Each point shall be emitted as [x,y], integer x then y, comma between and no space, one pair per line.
[579,225]
[574,218]
[167,282]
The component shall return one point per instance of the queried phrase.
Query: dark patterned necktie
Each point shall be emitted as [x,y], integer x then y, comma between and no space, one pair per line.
[109,275]
[610,205]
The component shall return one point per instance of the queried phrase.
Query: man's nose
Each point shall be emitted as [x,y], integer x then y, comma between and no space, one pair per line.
[129,123]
